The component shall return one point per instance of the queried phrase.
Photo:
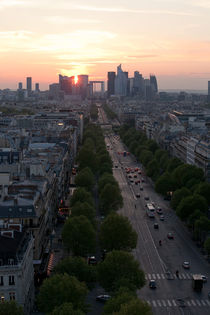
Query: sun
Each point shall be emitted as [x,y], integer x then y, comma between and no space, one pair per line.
[75,79]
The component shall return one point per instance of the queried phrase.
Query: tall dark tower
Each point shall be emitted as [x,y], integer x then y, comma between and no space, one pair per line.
[29,84]
[153,83]
[111,83]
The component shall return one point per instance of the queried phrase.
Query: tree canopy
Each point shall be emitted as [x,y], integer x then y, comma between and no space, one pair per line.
[60,289]
[10,308]
[188,204]
[110,198]
[83,208]
[120,265]
[66,309]
[85,178]
[135,307]
[79,236]
[117,233]
[178,195]
[81,195]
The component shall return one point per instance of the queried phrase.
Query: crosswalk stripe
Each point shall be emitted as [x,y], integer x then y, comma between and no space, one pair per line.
[207,302]
[188,303]
[183,275]
[188,275]
[158,276]
[202,302]
[193,303]
[148,302]
[198,302]
[169,303]
[174,302]
[163,276]
[154,303]
[146,277]
[159,303]
[153,275]
[164,303]
[149,275]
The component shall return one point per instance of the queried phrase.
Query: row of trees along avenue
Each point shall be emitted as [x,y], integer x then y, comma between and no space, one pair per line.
[118,272]
[185,183]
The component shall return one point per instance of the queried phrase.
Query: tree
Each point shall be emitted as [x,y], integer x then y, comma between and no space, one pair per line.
[189,204]
[79,236]
[207,245]
[106,178]
[83,208]
[10,308]
[152,146]
[145,157]
[122,296]
[153,168]
[82,195]
[202,227]
[135,307]
[164,184]
[77,267]
[66,309]
[117,233]
[85,178]
[60,289]
[185,172]
[110,198]
[178,195]
[120,265]
[173,164]
[204,190]
[159,153]
[87,158]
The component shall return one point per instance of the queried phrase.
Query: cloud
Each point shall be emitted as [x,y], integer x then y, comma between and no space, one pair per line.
[11,3]
[127,10]
[61,20]
[15,35]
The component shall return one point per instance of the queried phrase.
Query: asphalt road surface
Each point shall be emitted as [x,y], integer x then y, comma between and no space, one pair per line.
[173,295]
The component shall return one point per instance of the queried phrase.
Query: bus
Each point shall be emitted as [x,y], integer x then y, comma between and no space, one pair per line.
[150,210]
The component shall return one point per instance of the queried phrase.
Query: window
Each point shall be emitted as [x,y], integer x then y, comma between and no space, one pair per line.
[1,280]
[12,296]
[11,280]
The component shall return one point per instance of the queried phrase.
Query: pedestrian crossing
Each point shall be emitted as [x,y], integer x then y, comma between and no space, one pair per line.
[176,303]
[159,276]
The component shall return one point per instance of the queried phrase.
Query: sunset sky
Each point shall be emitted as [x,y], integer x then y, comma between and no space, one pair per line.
[41,38]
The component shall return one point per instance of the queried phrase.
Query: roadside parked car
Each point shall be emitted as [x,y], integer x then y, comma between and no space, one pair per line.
[103,297]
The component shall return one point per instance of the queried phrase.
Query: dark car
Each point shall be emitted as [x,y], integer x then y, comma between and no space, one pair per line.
[92,260]
[156,226]
[141,188]
[162,218]
[186,265]
[152,284]
[137,195]
[103,297]
[170,236]
[146,198]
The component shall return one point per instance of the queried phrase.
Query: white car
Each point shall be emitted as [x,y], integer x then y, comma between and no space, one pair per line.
[186,265]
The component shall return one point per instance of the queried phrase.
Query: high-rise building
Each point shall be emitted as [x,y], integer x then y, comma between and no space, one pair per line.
[37,87]
[138,84]
[153,83]
[121,82]
[111,83]
[29,84]
[208,91]
[20,86]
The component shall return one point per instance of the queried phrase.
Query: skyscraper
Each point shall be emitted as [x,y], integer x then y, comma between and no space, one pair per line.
[153,83]
[20,86]
[111,83]
[29,84]
[208,91]
[37,87]
[121,82]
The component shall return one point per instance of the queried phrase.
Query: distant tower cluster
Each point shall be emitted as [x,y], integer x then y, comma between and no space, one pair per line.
[121,85]
[208,91]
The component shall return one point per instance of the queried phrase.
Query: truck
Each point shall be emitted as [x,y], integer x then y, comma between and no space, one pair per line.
[197,282]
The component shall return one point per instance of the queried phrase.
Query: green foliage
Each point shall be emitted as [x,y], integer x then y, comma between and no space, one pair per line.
[207,245]
[77,267]
[79,236]
[110,198]
[178,195]
[60,289]
[122,296]
[204,190]
[159,153]
[164,184]
[110,114]
[135,307]
[173,164]
[82,195]
[183,173]
[66,309]
[153,168]
[85,178]
[152,146]
[106,178]
[188,204]
[83,208]
[145,157]
[10,308]
[87,158]
[120,265]
[94,112]
[117,233]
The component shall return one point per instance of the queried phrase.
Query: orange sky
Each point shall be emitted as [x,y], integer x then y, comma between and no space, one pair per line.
[41,38]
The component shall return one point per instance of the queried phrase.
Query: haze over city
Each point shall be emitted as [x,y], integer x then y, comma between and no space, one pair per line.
[41,38]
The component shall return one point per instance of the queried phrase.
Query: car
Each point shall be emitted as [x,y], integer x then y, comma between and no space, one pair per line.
[142,179]
[152,284]
[92,260]
[137,195]
[131,181]
[116,166]
[146,198]
[204,278]
[139,172]
[136,182]
[156,226]
[141,188]
[135,176]
[186,265]
[170,236]
[159,210]
[130,176]
[136,169]
[103,297]
[162,218]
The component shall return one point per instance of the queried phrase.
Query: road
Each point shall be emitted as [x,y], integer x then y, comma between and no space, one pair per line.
[173,295]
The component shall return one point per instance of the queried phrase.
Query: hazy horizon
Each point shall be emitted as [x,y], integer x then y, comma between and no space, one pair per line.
[41,38]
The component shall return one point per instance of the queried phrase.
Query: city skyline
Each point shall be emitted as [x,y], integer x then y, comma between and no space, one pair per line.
[43,38]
